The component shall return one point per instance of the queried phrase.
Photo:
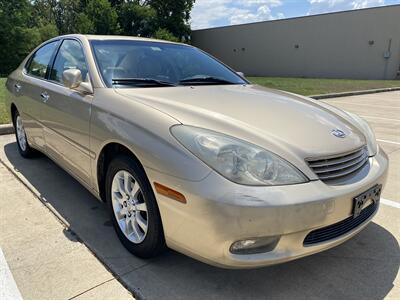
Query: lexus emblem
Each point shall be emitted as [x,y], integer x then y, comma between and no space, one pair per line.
[338,133]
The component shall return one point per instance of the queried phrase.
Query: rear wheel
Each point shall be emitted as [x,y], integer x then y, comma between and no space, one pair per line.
[133,208]
[23,147]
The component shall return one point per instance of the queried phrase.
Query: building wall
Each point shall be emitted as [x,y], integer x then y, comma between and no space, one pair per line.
[351,44]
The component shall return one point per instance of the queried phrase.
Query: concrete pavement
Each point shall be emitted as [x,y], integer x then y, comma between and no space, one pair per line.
[46,260]
[366,267]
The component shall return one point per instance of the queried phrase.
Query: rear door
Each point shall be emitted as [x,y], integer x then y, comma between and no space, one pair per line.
[28,88]
[66,115]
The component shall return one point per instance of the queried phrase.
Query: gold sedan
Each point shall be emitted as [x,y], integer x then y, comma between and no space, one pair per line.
[189,155]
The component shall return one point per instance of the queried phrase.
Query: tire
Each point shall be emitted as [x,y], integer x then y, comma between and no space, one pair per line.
[22,142]
[132,204]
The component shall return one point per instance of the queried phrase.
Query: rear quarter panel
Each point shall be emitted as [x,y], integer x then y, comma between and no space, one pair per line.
[14,77]
[9,93]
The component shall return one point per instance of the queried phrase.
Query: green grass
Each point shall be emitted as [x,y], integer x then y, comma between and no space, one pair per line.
[4,117]
[302,86]
[314,86]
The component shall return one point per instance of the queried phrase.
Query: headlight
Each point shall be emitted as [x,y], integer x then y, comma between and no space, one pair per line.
[237,160]
[369,134]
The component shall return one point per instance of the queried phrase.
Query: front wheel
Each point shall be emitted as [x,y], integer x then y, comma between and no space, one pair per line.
[133,208]
[23,147]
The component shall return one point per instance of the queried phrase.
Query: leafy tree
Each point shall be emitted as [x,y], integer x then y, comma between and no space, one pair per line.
[103,16]
[84,25]
[167,18]
[47,31]
[136,19]
[65,14]
[174,16]
[118,2]
[24,24]
[16,39]
[22,28]
[42,12]
[42,19]
[164,34]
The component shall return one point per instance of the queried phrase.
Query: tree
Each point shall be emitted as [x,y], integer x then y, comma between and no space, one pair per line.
[103,16]
[47,31]
[155,18]
[16,39]
[43,12]
[66,13]
[164,34]
[24,24]
[174,16]
[136,19]
[43,18]
[84,25]
[22,28]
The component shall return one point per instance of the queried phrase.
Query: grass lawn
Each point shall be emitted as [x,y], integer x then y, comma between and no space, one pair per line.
[302,86]
[4,117]
[314,86]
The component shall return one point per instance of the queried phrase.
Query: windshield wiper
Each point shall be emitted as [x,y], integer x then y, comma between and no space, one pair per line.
[204,80]
[141,82]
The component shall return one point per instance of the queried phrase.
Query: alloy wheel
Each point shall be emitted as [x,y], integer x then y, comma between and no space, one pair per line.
[129,206]
[21,133]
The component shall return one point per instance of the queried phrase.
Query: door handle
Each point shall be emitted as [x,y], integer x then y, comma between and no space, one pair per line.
[45,97]
[17,87]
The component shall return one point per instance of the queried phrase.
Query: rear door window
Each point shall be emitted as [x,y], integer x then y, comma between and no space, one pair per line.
[41,59]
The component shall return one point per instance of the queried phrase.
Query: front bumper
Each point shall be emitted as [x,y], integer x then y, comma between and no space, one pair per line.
[219,212]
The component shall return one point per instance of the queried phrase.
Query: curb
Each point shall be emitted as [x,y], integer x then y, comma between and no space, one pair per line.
[6,129]
[354,93]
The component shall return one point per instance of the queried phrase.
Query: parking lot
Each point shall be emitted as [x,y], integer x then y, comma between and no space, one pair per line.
[96,265]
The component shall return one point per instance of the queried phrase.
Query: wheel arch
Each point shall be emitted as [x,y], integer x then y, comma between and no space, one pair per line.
[107,153]
[13,109]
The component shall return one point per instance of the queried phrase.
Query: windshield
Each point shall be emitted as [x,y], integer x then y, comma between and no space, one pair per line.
[125,63]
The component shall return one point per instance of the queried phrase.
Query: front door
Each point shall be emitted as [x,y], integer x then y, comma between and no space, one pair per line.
[66,115]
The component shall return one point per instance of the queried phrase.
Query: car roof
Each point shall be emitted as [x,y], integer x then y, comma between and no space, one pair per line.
[92,37]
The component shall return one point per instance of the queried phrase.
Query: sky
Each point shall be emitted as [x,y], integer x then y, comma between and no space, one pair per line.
[215,13]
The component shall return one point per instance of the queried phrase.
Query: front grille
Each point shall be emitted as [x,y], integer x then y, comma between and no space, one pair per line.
[339,166]
[336,230]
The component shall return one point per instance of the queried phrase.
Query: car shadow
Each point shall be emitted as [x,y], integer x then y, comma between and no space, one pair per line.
[362,268]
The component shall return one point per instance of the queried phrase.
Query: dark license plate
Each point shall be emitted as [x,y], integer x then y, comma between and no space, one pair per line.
[372,194]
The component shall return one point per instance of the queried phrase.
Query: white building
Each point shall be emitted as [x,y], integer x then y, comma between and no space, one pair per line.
[362,44]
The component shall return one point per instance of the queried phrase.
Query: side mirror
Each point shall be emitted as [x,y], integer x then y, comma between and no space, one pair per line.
[241,74]
[72,78]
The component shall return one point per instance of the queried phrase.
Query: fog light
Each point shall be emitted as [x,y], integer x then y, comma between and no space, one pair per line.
[254,245]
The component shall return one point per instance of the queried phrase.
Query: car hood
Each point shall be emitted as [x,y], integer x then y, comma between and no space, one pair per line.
[278,121]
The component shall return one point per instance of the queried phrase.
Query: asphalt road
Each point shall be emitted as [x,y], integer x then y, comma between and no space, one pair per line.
[365,267]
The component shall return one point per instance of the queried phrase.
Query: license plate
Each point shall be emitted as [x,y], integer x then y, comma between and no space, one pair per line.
[360,201]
